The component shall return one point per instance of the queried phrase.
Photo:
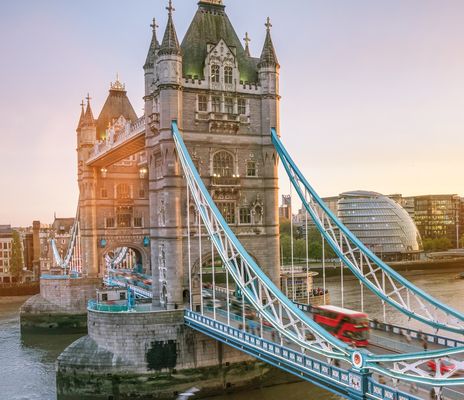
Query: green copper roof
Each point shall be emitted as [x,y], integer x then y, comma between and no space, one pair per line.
[209,26]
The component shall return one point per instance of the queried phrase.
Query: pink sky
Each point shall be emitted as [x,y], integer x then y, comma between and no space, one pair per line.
[372,92]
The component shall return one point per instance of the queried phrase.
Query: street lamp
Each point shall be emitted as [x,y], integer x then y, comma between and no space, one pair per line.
[143,173]
[104,172]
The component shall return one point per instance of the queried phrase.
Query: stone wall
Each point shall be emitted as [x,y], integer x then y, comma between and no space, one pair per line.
[150,355]
[143,340]
[69,295]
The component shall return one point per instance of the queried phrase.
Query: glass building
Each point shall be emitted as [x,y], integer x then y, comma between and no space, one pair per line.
[381,224]
[438,216]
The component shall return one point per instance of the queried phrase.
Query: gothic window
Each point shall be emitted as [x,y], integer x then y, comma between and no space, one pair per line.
[109,222]
[202,103]
[229,105]
[223,164]
[245,215]
[242,106]
[215,73]
[228,75]
[124,217]
[216,103]
[251,168]
[123,191]
[138,222]
[227,209]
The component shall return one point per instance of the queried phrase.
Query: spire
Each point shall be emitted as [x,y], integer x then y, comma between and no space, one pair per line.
[170,43]
[268,56]
[81,119]
[154,45]
[88,119]
[247,41]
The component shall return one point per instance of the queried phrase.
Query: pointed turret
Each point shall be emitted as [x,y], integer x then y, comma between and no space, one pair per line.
[170,44]
[247,41]
[268,56]
[154,46]
[81,118]
[88,119]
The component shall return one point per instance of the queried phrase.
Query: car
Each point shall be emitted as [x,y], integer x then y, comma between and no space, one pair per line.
[445,366]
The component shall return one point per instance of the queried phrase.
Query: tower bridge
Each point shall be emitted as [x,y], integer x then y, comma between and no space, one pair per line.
[195,179]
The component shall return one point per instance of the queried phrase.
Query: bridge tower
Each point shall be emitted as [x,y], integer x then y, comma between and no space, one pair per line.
[225,102]
[113,192]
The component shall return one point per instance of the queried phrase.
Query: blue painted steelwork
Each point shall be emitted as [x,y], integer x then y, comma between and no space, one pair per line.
[378,391]
[334,347]
[297,177]
[92,305]
[270,303]
[339,381]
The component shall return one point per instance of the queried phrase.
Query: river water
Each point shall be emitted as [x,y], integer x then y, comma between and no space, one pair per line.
[27,370]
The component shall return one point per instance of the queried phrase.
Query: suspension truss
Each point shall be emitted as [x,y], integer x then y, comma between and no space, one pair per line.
[377,276]
[74,242]
[257,288]
[111,263]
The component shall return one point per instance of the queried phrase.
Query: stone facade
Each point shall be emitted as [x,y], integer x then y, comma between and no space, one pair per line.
[225,109]
[150,355]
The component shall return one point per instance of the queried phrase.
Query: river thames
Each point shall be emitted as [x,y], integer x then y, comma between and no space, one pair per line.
[28,362]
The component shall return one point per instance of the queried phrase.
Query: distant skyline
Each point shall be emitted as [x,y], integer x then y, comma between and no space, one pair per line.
[372,92]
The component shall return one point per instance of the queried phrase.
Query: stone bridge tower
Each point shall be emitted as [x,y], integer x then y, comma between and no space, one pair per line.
[225,102]
[113,193]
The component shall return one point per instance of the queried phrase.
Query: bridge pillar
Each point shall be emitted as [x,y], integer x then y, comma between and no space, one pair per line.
[166,183]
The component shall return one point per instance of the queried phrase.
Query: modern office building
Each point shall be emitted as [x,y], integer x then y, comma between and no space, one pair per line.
[381,224]
[438,216]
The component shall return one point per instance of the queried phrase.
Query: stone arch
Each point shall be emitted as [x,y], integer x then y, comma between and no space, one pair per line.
[142,254]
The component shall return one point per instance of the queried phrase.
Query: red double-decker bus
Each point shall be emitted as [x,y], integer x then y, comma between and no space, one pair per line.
[347,325]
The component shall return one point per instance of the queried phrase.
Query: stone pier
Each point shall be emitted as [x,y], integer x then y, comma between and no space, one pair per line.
[151,355]
[61,304]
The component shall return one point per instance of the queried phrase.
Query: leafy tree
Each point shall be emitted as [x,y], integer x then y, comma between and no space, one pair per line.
[16,261]
[437,244]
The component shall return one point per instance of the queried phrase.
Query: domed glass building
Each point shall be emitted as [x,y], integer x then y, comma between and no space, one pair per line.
[381,224]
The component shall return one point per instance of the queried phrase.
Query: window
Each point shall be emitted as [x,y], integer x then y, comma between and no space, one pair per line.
[122,295]
[228,75]
[138,222]
[104,193]
[123,191]
[245,215]
[142,193]
[229,105]
[223,164]
[202,103]
[216,103]
[242,106]
[104,297]
[215,74]
[251,168]
[228,211]
[124,217]
[110,222]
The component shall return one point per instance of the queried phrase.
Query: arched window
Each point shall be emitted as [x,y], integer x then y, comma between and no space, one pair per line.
[223,164]
[215,73]
[228,75]
[123,191]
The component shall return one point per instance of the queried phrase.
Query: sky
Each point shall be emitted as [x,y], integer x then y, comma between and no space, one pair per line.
[372,91]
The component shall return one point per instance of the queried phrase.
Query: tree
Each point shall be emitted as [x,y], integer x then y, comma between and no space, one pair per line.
[16,261]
